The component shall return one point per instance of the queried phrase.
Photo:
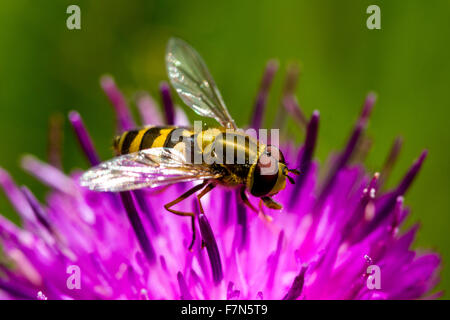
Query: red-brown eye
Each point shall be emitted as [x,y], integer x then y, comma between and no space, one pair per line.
[263,183]
[266,171]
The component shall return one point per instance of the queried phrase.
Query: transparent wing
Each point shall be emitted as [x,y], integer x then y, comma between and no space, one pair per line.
[194,84]
[146,168]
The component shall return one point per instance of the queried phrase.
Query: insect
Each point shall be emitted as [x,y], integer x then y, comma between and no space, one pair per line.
[163,155]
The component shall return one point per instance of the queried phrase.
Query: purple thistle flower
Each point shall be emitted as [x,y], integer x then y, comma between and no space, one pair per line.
[128,247]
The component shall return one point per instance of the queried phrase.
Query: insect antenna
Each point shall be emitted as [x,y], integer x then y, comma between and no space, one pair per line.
[291,180]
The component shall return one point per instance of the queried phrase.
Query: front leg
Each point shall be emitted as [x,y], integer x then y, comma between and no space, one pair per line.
[271,204]
[245,199]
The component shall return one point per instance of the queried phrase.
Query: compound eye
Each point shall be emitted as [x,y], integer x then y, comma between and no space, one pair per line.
[265,174]
[263,183]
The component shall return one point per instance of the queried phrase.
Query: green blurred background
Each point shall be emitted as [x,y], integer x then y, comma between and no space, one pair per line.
[46,68]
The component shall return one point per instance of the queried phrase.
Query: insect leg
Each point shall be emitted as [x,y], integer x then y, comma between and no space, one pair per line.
[186,214]
[208,188]
[245,199]
[264,215]
[270,203]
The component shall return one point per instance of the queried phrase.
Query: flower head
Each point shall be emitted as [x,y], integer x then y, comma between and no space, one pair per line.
[126,246]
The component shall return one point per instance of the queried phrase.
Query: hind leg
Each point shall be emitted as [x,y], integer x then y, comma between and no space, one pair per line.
[186,214]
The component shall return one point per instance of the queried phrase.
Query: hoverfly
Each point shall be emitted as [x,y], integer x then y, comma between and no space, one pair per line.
[162,155]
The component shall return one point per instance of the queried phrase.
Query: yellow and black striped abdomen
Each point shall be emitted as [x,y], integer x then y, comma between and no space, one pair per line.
[152,137]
